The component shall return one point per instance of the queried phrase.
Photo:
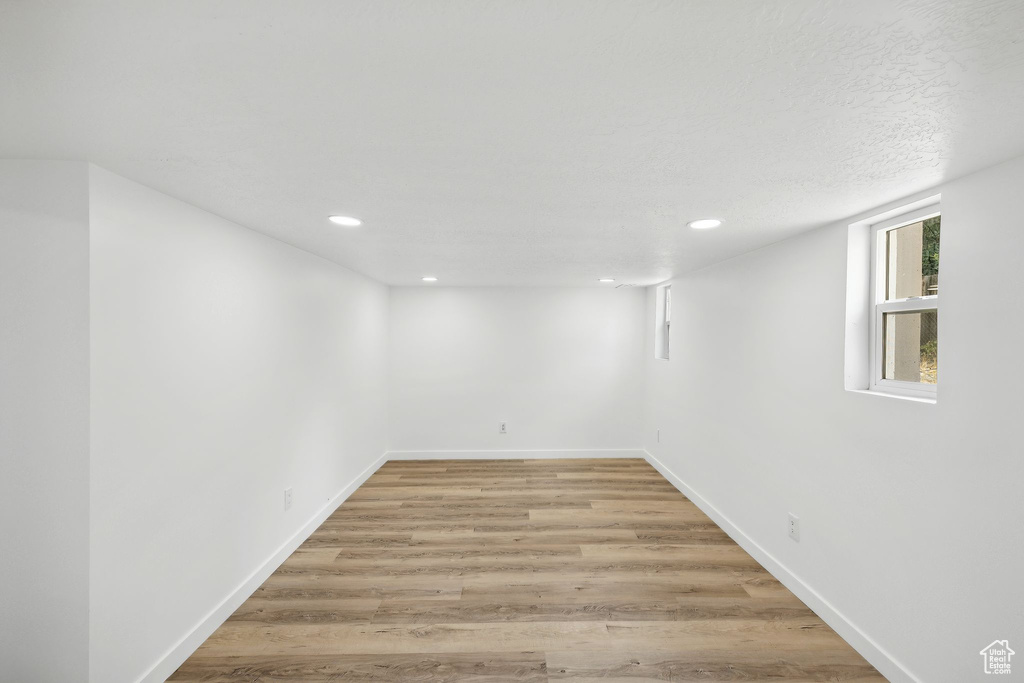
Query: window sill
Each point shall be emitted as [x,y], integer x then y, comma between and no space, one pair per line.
[916,399]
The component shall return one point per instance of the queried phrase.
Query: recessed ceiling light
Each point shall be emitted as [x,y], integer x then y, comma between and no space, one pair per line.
[704,223]
[347,221]
[430,278]
[607,279]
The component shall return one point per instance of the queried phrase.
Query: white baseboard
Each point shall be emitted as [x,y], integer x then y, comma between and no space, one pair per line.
[177,655]
[515,455]
[878,657]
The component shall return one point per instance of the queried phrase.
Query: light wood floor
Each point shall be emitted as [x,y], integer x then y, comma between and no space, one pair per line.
[512,570]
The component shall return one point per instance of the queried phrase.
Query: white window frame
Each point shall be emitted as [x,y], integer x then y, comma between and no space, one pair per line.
[879,232]
[668,321]
[663,322]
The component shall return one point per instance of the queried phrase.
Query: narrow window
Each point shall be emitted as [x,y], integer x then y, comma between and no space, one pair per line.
[662,321]
[905,296]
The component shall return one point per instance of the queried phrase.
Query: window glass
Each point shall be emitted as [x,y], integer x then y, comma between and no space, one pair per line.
[662,321]
[912,260]
[668,320]
[910,344]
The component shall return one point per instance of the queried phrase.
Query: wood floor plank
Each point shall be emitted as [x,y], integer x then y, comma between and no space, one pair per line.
[325,537]
[729,555]
[244,638]
[338,588]
[307,610]
[615,609]
[620,515]
[793,666]
[461,554]
[408,493]
[478,571]
[506,503]
[526,667]
[587,589]
[503,566]
[574,537]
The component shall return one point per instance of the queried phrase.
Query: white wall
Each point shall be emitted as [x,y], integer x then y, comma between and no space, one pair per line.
[909,511]
[44,421]
[562,366]
[226,366]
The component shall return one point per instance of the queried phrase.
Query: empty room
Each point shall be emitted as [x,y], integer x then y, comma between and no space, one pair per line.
[487,341]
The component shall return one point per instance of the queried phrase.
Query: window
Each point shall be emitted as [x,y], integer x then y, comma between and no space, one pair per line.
[905,297]
[662,321]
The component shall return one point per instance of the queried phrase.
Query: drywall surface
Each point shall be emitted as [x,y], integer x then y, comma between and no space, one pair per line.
[561,366]
[226,367]
[44,421]
[908,510]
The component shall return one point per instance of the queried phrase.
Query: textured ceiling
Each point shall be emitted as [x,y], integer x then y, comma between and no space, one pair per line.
[519,142]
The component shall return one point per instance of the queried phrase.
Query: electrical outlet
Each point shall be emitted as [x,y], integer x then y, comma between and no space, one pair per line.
[503,428]
[794,527]
[288,498]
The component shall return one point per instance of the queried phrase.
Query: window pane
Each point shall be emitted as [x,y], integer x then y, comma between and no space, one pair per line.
[912,260]
[662,321]
[910,346]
